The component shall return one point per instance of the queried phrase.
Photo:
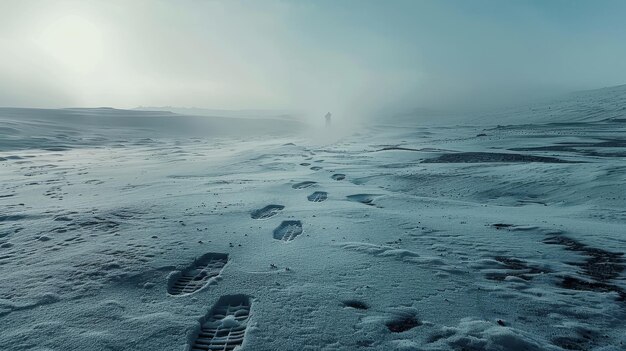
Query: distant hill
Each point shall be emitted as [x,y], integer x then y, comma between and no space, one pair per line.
[598,105]
[195,111]
[29,128]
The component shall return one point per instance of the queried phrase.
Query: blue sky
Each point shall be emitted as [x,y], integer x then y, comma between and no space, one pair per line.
[350,55]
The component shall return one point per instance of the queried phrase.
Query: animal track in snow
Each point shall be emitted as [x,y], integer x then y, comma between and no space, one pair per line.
[198,275]
[224,328]
[266,212]
[288,230]
[303,185]
[318,196]
[316,168]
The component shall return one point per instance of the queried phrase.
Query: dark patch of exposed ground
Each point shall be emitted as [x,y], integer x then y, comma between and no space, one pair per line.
[600,266]
[484,157]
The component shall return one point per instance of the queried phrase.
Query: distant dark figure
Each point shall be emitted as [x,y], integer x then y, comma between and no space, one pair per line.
[328,115]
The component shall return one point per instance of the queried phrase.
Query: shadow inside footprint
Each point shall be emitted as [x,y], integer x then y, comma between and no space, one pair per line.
[318,196]
[402,323]
[288,230]
[359,305]
[303,185]
[338,176]
[197,275]
[266,212]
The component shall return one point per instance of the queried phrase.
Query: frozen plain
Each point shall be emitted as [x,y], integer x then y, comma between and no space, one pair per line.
[503,233]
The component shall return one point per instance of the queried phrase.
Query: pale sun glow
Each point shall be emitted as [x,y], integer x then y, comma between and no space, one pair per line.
[73,41]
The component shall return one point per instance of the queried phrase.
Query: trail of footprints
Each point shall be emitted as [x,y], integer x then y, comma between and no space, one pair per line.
[224,327]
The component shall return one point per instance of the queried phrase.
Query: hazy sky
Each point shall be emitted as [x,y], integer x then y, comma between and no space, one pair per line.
[310,55]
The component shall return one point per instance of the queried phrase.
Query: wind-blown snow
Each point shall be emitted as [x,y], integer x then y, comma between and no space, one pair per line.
[476,251]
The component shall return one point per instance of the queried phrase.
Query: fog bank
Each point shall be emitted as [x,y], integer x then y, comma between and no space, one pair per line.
[355,58]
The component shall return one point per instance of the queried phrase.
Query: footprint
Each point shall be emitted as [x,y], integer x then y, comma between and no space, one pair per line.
[339,176]
[402,322]
[204,270]
[356,304]
[305,164]
[303,185]
[266,212]
[316,168]
[318,196]
[367,199]
[288,230]
[224,328]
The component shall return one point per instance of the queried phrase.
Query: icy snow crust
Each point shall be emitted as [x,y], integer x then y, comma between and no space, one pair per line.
[413,249]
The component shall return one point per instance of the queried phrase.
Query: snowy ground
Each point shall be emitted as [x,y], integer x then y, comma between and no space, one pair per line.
[393,238]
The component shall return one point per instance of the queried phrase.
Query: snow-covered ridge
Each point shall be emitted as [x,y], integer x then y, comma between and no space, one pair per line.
[591,106]
[27,128]
[599,105]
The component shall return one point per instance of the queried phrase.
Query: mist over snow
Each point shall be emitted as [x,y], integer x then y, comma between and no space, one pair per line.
[354,58]
[312,175]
